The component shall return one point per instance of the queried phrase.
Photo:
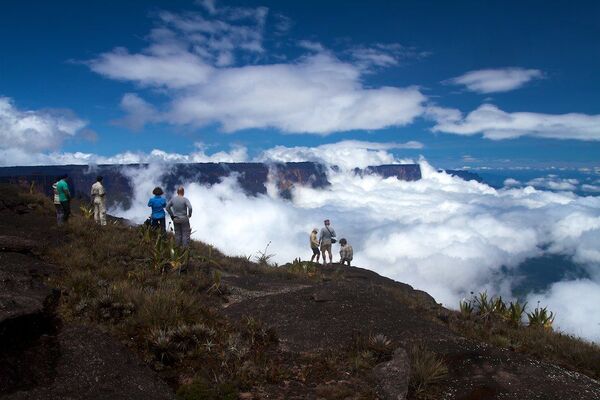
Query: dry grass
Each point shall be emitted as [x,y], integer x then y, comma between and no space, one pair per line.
[110,279]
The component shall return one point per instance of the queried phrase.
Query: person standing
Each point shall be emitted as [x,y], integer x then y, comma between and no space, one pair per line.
[57,205]
[314,245]
[180,211]
[346,252]
[64,197]
[326,238]
[98,195]
[158,204]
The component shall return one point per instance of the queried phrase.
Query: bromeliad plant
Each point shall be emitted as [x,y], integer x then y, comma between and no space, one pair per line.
[541,317]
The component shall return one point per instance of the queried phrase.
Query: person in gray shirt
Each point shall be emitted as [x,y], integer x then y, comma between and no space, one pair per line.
[180,210]
[326,238]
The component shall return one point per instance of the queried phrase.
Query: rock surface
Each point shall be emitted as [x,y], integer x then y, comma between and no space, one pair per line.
[393,376]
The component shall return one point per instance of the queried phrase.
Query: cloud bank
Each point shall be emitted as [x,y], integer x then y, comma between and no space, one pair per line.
[440,234]
[496,124]
[209,71]
[496,80]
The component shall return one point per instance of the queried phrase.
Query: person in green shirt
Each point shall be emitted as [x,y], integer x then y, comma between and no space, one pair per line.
[64,197]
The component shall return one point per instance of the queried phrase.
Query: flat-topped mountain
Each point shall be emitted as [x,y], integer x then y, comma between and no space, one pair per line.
[252,177]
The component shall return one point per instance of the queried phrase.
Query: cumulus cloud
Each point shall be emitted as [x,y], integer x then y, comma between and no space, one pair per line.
[441,234]
[192,58]
[494,123]
[35,130]
[496,80]
[14,157]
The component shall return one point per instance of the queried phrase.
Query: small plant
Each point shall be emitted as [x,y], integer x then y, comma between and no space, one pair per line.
[541,317]
[217,287]
[514,313]
[87,210]
[263,257]
[466,308]
[162,345]
[380,345]
[208,258]
[426,369]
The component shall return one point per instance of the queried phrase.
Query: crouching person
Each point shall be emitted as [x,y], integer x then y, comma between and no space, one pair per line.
[180,210]
[346,252]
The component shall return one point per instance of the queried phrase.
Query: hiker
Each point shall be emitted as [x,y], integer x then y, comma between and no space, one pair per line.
[57,205]
[180,211]
[346,252]
[64,197]
[326,238]
[158,204]
[314,245]
[98,201]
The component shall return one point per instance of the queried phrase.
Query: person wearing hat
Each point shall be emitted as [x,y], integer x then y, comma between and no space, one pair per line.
[326,238]
[314,245]
[158,204]
[99,201]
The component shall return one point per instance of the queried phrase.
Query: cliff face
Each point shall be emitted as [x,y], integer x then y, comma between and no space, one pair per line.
[252,177]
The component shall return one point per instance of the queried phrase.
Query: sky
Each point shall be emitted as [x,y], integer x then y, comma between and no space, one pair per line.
[464,84]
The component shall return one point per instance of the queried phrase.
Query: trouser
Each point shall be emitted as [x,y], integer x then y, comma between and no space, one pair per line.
[59,213]
[100,212]
[66,206]
[182,233]
[159,223]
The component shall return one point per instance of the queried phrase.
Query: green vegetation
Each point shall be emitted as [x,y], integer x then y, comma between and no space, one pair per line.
[426,369]
[493,321]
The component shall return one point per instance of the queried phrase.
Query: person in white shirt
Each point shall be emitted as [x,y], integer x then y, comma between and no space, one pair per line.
[98,195]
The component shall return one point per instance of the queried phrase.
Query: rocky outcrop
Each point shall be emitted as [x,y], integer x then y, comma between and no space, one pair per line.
[393,376]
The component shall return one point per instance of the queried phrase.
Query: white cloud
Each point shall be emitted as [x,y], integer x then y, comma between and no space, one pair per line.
[382,55]
[496,80]
[138,112]
[440,234]
[554,182]
[575,304]
[14,157]
[191,59]
[496,124]
[347,154]
[35,130]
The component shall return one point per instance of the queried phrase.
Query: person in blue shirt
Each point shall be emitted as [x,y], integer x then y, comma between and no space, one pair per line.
[158,204]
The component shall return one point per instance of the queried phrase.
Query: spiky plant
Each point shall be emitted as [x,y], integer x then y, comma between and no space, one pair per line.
[162,345]
[514,313]
[541,317]
[427,368]
[263,257]
[87,210]
[466,308]
[380,343]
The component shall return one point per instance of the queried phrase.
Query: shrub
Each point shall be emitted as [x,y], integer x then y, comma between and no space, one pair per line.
[426,369]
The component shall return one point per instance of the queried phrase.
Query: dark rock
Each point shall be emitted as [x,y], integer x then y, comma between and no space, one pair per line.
[16,244]
[321,296]
[392,376]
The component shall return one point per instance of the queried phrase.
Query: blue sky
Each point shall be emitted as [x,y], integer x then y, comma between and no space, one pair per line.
[494,83]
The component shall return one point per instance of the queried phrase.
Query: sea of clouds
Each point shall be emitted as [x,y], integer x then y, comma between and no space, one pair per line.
[440,234]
